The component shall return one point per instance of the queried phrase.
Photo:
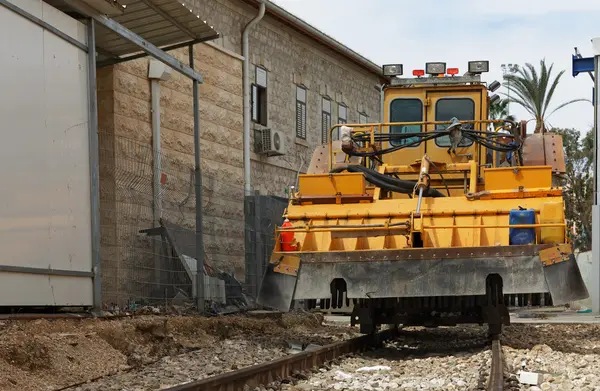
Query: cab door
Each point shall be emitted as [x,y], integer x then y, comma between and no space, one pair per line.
[405,105]
[445,105]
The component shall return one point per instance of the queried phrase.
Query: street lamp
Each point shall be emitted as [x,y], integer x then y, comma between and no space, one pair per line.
[508,69]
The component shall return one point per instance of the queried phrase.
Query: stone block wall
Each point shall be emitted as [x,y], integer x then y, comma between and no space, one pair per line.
[127,161]
[290,58]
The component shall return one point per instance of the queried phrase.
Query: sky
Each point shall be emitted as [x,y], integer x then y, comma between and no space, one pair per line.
[457,31]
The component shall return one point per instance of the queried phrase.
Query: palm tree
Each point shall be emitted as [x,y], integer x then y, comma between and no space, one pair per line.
[534,92]
[499,110]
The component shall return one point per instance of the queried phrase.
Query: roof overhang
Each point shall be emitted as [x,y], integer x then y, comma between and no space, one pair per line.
[164,24]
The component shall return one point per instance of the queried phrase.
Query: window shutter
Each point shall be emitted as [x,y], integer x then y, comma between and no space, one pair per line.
[326,125]
[261,77]
[300,120]
[254,103]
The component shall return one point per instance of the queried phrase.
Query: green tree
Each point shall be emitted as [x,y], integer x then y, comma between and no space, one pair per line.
[499,110]
[534,90]
[578,185]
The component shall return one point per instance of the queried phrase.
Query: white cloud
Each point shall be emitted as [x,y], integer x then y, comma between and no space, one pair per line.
[511,31]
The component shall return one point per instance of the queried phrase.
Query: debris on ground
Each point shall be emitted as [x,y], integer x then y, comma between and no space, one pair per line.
[51,354]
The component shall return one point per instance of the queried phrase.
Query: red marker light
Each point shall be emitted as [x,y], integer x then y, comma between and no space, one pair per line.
[418,72]
[452,71]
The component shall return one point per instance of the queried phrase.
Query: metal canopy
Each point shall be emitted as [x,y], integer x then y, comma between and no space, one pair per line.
[160,22]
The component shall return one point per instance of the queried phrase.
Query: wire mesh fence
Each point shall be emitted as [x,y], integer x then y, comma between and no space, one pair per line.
[148,234]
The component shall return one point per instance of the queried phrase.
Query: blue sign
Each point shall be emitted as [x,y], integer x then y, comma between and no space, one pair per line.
[585,64]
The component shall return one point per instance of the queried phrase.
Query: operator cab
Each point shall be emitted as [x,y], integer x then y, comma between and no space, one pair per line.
[439,94]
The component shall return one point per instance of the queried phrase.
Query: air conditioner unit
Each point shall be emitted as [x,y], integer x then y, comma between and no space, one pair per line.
[272,143]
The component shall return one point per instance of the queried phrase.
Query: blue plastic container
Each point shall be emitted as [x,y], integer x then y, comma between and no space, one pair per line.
[521,235]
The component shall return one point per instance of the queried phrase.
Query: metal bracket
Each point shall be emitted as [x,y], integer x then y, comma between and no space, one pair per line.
[557,254]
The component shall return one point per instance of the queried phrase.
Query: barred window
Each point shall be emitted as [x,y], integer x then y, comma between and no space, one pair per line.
[301,112]
[342,113]
[325,120]
[362,118]
[342,119]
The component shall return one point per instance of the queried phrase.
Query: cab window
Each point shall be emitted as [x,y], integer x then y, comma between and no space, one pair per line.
[448,108]
[406,110]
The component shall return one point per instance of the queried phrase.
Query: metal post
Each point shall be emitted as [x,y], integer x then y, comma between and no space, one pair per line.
[258,244]
[198,187]
[596,126]
[156,171]
[595,291]
[94,164]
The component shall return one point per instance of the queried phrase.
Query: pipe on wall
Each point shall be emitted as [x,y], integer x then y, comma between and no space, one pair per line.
[246,88]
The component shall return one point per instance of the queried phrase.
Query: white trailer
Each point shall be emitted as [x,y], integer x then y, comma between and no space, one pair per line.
[49,187]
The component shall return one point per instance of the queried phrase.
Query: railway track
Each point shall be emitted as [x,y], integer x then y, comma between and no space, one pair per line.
[298,365]
[496,380]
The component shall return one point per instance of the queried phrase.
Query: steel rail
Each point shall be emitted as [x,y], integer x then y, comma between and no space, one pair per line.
[277,370]
[496,380]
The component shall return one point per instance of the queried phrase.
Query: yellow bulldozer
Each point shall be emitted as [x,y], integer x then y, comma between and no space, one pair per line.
[437,216]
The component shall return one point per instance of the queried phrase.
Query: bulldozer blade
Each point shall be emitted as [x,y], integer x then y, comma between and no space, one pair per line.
[277,289]
[565,282]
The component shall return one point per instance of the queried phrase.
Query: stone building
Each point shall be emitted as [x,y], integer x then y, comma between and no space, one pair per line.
[302,82]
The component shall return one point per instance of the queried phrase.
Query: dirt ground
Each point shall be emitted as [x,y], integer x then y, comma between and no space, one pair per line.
[53,354]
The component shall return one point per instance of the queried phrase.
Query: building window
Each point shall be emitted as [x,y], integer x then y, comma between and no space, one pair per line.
[259,97]
[301,112]
[406,110]
[342,113]
[362,118]
[325,120]
[447,108]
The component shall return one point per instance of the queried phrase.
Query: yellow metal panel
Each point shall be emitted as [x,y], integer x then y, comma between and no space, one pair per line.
[527,177]
[445,222]
[331,184]
[285,263]
[557,254]
[550,213]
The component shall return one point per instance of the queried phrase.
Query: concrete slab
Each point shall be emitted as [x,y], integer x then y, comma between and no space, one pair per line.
[556,318]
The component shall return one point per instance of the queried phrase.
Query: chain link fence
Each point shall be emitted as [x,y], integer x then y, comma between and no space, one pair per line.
[148,232]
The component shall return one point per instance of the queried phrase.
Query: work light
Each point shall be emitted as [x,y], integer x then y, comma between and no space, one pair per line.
[479,66]
[392,70]
[435,68]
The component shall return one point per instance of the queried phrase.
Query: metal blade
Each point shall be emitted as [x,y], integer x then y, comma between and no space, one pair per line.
[277,289]
[565,282]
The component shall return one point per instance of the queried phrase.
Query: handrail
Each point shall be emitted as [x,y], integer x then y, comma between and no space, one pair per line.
[369,128]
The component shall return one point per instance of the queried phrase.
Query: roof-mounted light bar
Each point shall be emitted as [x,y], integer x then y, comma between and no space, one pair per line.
[473,79]
[393,70]
[478,67]
[435,68]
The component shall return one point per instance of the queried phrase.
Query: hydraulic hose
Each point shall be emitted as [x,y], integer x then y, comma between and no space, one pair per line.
[386,182]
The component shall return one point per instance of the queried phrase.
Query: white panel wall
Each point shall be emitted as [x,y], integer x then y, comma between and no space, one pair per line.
[44,158]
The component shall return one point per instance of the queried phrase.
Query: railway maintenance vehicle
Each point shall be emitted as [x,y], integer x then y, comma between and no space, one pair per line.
[437,216]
